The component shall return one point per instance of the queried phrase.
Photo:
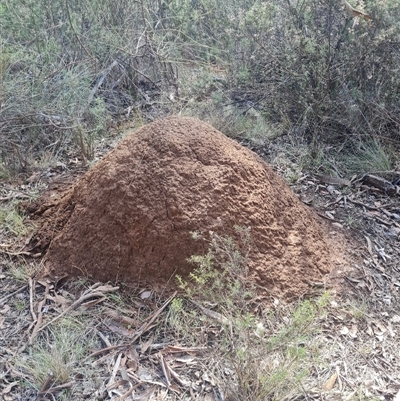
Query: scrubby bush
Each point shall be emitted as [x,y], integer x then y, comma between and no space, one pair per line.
[309,68]
[67,67]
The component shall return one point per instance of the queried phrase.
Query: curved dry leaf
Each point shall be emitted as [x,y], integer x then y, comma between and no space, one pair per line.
[329,384]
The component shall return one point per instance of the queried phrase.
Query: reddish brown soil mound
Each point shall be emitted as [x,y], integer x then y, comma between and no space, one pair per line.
[130,217]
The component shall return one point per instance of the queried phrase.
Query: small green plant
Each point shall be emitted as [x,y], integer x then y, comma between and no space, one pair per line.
[221,274]
[19,305]
[267,363]
[19,272]
[359,310]
[369,158]
[352,222]
[11,220]
[4,174]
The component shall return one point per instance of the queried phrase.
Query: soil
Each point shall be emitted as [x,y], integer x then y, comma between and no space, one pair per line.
[130,217]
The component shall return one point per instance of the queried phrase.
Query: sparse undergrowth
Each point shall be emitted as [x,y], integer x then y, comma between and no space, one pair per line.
[57,355]
[216,340]
[256,70]
[266,358]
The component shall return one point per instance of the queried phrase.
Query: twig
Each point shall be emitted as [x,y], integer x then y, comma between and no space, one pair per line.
[86,295]
[47,384]
[17,195]
[4,299]
[214,315]
[113,375]
[19,253]
[57,388]
[117,347]
[153,317]
[129,392]
[37,328]
[100,81]
[362,204]
[31,287]
[145,326]
[76,34]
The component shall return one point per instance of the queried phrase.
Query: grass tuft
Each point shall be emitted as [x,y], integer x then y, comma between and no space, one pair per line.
[55,354]
[11,220]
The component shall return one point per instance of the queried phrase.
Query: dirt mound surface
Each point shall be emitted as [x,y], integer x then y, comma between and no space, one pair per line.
[130,218]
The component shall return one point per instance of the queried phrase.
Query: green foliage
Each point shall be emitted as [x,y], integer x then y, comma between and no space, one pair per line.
[3,172]
[11,221]
[370,157]
[267,364]
[310,66]
[67,67]
[19,272]
[221,274]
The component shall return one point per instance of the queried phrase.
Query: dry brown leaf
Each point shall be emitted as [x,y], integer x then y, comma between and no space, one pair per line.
[185,359]
[369,245]
[146,345]
[214,315]
[380,326]
[145,295]
[174,349]
[116,328]
[165,369]
[9,387]
[118,317]
[104,288]
[133,359]
[329,384]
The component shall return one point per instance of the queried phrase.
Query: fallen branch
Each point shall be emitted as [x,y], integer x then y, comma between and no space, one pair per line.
[380,183]
[153,317]
[39,319]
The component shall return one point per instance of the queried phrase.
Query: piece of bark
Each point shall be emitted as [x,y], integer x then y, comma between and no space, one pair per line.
[380,183]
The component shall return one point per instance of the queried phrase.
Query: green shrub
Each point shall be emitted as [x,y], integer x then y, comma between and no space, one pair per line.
[269,356]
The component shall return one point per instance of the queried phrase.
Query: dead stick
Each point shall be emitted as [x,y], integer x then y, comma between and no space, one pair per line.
[153,317]
[140,332]
[4,299]
[76,304]
[36,329]
[31,286]
[56,388]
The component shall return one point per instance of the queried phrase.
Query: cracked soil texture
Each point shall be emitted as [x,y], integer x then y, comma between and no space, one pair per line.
[131,216]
